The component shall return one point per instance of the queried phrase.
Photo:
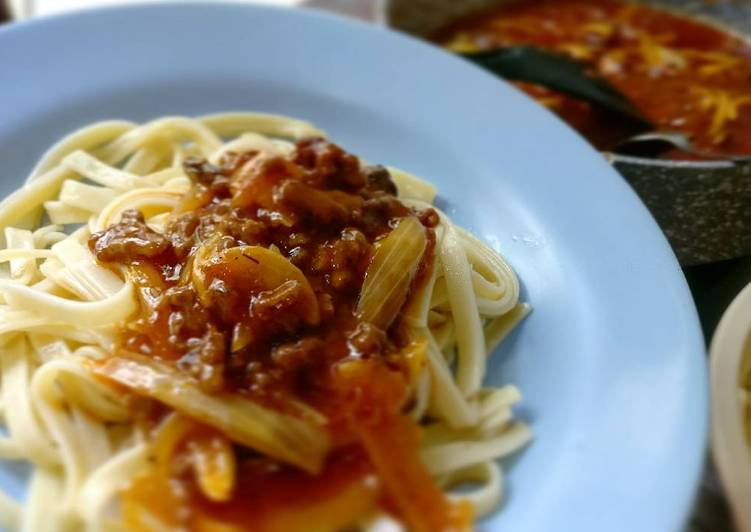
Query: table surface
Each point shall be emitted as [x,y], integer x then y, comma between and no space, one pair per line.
[713,285]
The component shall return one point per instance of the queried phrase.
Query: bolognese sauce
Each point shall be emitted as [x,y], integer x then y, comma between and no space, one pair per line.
[251,288]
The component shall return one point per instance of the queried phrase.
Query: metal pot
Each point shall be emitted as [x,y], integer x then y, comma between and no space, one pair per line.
[423,17]
[704,208]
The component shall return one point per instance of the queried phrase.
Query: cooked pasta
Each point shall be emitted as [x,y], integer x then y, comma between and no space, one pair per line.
[106,395]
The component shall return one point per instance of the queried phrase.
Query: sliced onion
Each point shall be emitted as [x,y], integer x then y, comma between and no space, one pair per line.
[286,438]
[390,273]
[214,466]
[254,269]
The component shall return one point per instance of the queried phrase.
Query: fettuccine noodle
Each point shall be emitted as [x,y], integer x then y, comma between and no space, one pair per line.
[60,309]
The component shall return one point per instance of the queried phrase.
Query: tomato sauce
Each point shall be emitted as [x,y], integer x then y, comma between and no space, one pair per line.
[277,326]
[682,74]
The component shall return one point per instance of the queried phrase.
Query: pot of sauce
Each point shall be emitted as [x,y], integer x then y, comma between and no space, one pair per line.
[685,64]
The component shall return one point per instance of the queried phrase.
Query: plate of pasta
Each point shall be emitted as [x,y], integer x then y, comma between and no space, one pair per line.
[252,283]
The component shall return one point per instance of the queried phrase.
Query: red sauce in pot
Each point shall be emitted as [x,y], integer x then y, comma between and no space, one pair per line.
[682,74]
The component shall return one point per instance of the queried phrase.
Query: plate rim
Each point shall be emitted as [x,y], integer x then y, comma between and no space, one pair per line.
[693,333]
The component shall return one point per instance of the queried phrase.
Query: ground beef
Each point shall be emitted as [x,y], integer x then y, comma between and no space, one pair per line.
[328,207]
[201,171]
[328,165]
[319,208]
[128,240]
[378,178]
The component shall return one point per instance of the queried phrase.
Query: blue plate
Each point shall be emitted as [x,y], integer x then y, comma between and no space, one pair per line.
[611,361]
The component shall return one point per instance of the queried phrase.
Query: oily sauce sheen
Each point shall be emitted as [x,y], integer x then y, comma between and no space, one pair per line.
[319,210]
[682,74]
[324,213]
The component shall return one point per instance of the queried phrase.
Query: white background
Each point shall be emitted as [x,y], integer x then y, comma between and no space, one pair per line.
[25,8]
